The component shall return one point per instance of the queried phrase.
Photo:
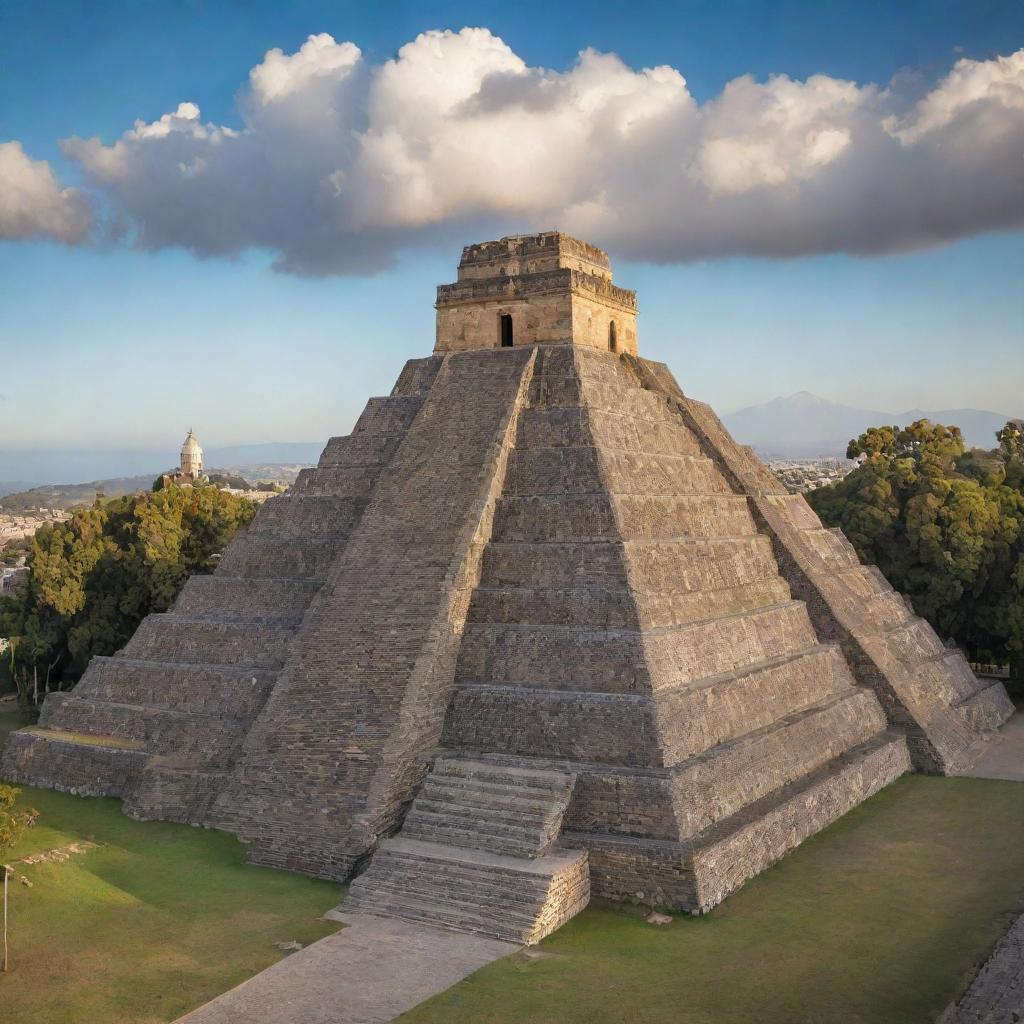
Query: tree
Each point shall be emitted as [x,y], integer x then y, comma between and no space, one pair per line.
[94,577]
[12,826]
[945,525]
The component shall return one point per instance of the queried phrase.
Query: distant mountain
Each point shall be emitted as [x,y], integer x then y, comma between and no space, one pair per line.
[13,486]
[70,496]
[807,426]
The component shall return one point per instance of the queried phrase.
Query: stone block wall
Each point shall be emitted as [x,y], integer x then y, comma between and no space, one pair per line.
[344,739]
[554,290]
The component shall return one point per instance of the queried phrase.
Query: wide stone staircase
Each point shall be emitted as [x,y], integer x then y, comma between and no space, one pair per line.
[477,853]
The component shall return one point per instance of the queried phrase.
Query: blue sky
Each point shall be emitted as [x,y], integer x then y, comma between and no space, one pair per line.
[106,345]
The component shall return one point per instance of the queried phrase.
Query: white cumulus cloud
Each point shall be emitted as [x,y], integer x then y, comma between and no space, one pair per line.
[338,163]
[32,202]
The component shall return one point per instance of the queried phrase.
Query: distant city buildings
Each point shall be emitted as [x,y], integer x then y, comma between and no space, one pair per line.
[16,528]
[800,475]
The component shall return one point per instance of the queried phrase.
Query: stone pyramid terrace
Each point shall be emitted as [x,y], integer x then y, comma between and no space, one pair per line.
[537,628]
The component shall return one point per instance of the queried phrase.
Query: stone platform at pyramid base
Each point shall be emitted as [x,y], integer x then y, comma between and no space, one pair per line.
[695,875]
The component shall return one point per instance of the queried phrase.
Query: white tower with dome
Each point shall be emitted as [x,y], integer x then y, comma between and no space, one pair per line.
[191,457]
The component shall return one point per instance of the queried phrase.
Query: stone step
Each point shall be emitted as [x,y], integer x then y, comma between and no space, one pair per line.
[660,434]
[658,611]
[466,803]
[618,608]
[698,716]
[556,518]
[727,643]
[194,641]
[570,657]
[571,361]
[202,689]
[987,709]
[389,415]
[648,566]
[173,792]
[753,476]
[438,915]
[267,556]
[450,828]
[363,449]
[948,674]
[586,470]
[431,882]
[996,993]
[721,781]
[51,759]
[454,770]
[914,640]
[525,800]
[417,376]
[494,820]
[596,607]
[736,848]
[573,657]
[464,889]
[355,482]
[612,395]
[230,597]
[612,728]
[830,548]
[308,515]
[208,739]
[559,565]
[857,595]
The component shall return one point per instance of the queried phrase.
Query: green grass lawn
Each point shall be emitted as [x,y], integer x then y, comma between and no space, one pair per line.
[155,921]
[877,920]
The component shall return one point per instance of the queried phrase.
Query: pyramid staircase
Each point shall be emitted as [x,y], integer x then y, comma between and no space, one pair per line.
[476,853]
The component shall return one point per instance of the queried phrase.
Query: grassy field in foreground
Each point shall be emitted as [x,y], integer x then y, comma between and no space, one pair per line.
[877,920]
[154,921]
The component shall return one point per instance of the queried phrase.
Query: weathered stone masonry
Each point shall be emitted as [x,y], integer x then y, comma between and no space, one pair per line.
[537,628]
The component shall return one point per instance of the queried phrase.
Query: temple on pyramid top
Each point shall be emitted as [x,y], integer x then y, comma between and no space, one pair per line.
[544,289]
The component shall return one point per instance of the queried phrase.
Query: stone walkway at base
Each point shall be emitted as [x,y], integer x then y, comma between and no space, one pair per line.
[996,995]
[1003,756]
[368,973]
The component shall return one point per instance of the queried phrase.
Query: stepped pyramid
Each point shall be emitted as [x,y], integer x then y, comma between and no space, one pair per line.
[536,629]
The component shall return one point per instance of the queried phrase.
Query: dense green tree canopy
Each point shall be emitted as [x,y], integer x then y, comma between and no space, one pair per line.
[945,525]
[94,577]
